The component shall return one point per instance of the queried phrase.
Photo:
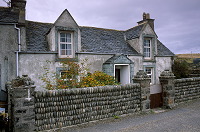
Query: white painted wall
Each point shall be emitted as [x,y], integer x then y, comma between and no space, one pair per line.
[94,62]
[33,66]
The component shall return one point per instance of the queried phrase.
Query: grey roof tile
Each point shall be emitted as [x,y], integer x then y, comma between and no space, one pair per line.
[36,36]
[163,50]
[133,32]
[98,40]
[7,15]
[95,40]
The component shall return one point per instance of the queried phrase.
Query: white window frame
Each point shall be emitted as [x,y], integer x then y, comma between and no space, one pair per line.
[147,54]
[150,74]
[66,43]
[61,75]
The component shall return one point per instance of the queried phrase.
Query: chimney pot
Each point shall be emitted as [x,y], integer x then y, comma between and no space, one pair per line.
[144,16]
[147,16]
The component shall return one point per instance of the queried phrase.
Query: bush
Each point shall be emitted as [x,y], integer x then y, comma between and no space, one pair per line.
[98,78]
[180,68]
[75,76]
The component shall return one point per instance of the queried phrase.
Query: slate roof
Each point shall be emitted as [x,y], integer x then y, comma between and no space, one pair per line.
[163,50]
[93,40]
[36,36]
[98,40]
[133,32]
[7,15]
[115,57]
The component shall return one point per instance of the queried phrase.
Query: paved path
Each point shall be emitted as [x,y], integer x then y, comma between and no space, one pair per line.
[185,118]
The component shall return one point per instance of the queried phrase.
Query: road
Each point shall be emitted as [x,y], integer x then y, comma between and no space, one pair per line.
[184,118]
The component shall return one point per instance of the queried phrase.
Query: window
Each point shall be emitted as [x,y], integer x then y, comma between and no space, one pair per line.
[149,72]
[63,74]
[65,44]
[147,48]
[66,76]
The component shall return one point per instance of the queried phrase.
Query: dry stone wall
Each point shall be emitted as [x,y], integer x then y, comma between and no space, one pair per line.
[176,91]
[187,89]
[62,108]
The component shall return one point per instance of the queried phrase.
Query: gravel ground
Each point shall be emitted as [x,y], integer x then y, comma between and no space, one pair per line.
[184,118]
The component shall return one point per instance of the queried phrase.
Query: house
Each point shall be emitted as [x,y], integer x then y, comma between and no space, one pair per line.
[29,46]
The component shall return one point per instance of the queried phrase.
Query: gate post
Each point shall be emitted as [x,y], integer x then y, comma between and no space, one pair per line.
[167,83]
[21,98]
[143,79]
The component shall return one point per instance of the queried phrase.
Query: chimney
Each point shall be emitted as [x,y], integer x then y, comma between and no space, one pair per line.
[147,19]
[19,6]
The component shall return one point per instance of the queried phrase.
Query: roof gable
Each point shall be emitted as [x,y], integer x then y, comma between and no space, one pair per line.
[147,29]
[66,20]
[119,59]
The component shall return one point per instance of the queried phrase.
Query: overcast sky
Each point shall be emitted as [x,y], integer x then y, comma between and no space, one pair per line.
[176,21]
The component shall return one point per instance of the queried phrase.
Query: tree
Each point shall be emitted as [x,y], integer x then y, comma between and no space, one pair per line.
[180,68]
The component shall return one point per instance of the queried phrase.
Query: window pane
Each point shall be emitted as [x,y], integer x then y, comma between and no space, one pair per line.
[147,42]
[148,70]
[68,52]
[62,35]
[68,37]
[63,73]
[62,52]
[62,39]
[62,46]
[69,46]
[149,73]
[147,52]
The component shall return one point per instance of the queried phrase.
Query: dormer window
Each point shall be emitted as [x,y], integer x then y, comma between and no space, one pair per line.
[147,48]
[65,44]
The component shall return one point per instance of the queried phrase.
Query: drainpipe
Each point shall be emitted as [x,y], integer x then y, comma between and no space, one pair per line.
[19,49]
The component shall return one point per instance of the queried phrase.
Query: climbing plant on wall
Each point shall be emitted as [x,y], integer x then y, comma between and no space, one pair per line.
[75,75]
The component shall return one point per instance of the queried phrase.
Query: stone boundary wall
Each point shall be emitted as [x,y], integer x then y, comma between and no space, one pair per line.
[62,108]
[187,89]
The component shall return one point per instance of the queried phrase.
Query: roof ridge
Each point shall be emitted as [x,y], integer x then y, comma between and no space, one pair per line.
[135,26]
[4,7]
[102,28]
[38,22]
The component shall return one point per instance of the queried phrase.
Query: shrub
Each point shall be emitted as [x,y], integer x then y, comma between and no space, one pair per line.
[180,68]
[75,76]
[98,78]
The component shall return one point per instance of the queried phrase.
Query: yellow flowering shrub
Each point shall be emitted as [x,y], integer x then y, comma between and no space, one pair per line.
[75,77]
[98,78]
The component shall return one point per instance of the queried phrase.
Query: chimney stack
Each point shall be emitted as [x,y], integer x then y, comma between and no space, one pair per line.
[19,6]
[147,19]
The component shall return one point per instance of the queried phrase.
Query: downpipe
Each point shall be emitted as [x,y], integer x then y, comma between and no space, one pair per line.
[19,50]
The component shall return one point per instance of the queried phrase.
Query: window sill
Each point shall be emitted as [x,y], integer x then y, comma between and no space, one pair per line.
[149,60]
[66,59]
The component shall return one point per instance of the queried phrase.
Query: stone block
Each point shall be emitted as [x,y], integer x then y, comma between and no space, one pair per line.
[20,92]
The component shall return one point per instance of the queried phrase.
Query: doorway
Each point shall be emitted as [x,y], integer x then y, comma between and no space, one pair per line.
[122,73]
